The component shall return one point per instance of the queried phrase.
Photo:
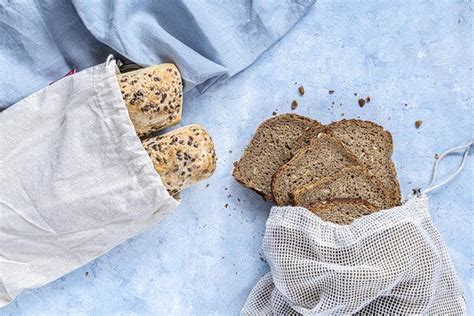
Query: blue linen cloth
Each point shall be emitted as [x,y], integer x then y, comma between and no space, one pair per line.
[41,41]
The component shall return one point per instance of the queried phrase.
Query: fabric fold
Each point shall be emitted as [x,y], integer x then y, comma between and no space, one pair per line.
[209,41]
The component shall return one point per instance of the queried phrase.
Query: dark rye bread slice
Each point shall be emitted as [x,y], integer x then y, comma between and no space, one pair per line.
[342,211]
[352,182]
[305,139]
[373,146]
[324,156]
[269,149]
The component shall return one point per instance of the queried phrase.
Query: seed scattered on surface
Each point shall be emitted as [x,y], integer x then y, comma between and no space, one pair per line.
[294,105]
[227,205]
[207,185]
[361,102]
[418,123]
[355,93]
[301,90]
[436,156]
[331,91]
[368,99]
[274,113]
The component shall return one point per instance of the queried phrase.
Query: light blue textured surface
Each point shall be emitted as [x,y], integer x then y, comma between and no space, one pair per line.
[413,58]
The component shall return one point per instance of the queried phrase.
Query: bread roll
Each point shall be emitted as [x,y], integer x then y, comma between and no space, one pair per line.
[182,157]
[153,97]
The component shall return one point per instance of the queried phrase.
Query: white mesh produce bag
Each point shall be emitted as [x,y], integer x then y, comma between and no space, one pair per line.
[389,262]
[75,180]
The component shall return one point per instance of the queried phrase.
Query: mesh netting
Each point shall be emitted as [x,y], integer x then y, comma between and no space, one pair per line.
[390,262]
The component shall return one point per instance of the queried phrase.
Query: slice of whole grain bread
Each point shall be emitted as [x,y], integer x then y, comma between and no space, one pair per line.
[268,150]
[307,136]
[352,182]
[341,211]
[324,156]
[373,146]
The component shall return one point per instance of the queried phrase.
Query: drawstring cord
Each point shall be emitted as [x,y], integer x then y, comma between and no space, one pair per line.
[431,187]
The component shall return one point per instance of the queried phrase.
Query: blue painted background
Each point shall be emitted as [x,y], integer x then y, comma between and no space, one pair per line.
[413,58]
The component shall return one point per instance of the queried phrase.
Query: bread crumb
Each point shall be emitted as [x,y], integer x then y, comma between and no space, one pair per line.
[331,91]
[418,123]
[301,90]
[294,105]
[361,102]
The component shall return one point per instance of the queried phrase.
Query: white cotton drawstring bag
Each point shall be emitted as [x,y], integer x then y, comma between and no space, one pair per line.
[75,180]
[392,262]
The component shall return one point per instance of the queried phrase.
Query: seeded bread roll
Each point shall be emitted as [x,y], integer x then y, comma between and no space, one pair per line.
[324,156]
[269,149]
[153,97]
[182,157]
[342,211]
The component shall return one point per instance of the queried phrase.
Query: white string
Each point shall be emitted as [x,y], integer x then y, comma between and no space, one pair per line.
[109,59]
[431,187]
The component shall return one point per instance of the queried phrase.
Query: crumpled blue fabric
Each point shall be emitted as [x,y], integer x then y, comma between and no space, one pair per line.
[41,41]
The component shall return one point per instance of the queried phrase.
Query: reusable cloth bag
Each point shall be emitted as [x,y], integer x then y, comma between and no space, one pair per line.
[392,262]
[75,180]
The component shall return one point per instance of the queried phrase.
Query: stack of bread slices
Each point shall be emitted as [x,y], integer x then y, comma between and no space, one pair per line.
[340,171]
